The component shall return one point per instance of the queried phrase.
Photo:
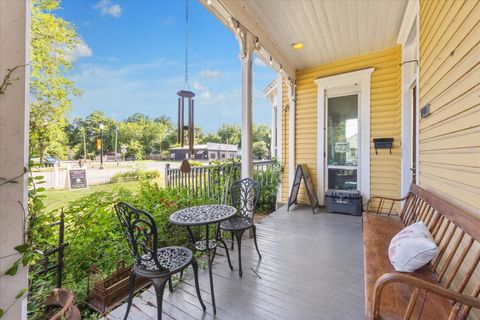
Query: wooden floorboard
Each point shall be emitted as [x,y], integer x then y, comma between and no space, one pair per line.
[311,268]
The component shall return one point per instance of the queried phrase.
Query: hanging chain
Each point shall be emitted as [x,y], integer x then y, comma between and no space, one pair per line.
[186,44]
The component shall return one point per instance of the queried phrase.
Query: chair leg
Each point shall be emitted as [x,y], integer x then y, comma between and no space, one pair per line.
[159,285]
[239,243]
[255,240]
[226,251]
[197,287]
[231,235]
[131,291]
[214,253]
[170,285]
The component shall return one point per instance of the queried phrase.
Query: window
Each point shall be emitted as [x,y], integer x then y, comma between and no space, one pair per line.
[212,155]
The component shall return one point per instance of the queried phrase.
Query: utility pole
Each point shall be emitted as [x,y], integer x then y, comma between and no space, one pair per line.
[116,140]
[101,145]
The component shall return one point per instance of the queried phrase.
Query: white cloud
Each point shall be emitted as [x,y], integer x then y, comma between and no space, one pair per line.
[198,86]
[107,7]
[81,50]
[259,62]
[130,70]
[205,96]
[211,74]
[209,98]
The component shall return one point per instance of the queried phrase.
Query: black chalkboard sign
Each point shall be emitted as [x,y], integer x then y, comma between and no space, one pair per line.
[77,179]
[303,172]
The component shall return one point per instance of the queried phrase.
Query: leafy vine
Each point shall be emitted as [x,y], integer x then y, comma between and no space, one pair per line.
[8,80]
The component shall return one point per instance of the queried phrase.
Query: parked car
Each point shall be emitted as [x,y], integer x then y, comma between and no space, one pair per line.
[50,161]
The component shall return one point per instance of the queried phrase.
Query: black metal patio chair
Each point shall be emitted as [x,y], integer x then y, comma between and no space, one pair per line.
[152,262]
[244,195]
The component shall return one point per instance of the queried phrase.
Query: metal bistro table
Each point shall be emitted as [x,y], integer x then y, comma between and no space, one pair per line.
[204,216]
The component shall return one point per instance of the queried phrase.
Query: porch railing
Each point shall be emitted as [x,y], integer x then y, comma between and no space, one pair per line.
[214,181]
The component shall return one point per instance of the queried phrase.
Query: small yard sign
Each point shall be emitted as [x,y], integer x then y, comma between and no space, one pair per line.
[303,173]
[77,179]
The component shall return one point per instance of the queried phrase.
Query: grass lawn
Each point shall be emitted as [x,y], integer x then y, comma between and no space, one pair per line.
[55,199]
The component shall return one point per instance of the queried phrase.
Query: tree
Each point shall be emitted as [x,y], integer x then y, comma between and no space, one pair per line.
[171,135]
[230,133]
[51,40]
[262,133]
[211,137]
[144,135]
[260,150]
[90,127]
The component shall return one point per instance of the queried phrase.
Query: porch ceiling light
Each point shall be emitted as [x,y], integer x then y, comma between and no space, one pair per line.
[297,45]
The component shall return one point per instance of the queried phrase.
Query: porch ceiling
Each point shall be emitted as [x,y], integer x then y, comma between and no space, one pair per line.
[330,30]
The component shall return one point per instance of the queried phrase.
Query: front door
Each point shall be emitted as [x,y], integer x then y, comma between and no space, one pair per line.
[342,142]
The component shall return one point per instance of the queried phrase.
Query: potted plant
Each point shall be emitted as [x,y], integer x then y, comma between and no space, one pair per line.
[59,305]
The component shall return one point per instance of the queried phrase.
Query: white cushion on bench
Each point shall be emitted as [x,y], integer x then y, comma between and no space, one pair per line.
[412,248]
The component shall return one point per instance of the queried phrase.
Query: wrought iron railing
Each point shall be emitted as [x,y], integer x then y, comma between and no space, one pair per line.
[213,181]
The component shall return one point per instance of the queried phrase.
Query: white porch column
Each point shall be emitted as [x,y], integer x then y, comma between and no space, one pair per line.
[273,132]
[291,133]
[247,47]
[279,130]
[271,93]
[14,40]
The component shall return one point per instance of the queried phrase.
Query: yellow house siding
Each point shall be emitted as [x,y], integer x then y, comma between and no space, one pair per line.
[450,83]
[385,116]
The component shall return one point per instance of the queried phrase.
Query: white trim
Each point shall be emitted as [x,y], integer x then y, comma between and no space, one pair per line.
[344,167]
[408,37]
[417,9]
[362,79]
[291,133]
[411,12]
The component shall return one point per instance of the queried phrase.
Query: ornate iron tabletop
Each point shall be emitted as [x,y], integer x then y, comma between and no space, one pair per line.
[201,215]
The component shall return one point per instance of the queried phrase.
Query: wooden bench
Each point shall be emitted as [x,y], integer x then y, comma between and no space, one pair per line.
[448,287]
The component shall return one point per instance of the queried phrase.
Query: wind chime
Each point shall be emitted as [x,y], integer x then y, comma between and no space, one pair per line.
[185,99]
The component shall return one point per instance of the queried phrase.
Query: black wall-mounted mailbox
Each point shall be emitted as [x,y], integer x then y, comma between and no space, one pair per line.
[425,111]
[383,143]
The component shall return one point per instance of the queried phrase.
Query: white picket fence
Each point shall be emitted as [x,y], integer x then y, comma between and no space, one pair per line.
[57,179]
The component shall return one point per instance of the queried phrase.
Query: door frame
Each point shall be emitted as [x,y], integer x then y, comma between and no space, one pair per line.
[334,93]
[408,37]
[362,80]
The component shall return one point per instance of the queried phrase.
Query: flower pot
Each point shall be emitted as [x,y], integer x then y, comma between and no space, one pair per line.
[61,300]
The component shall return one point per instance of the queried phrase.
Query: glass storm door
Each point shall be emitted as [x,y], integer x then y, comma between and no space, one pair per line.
[342,142]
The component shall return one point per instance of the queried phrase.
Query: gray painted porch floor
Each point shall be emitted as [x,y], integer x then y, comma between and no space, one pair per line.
[311,268]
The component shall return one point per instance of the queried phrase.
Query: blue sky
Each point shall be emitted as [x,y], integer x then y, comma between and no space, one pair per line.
[133,61]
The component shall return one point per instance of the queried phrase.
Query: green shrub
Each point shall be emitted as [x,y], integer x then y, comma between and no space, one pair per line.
[194,163]
[135,175]
[269,180]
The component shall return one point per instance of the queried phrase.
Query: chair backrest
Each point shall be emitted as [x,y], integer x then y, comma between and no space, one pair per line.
[245,194]
[141,233]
